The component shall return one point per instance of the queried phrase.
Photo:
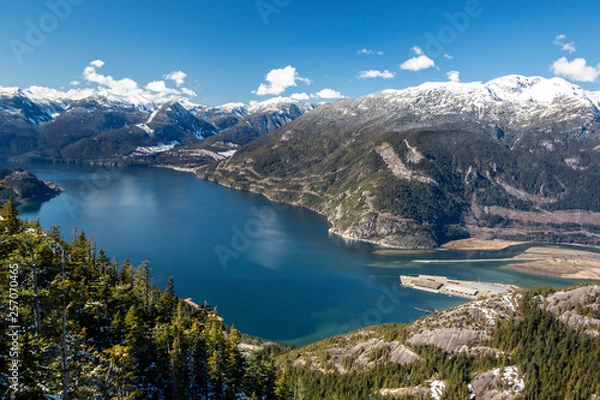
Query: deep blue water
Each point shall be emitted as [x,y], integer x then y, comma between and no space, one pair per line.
[272,270]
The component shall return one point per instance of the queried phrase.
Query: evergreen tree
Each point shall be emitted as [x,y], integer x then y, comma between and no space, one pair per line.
[233,364]
[126,273]
[9,218]
[167,303]
[141,283]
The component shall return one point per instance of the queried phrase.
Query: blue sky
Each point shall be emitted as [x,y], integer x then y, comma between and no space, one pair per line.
[227,48]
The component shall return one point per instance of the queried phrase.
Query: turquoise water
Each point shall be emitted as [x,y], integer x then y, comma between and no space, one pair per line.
[272,270]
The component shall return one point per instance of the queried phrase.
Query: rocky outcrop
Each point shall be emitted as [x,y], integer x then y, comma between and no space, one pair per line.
[578,308]
[451,340]
[365,354]
[24,187]
[466,329]
[497,384]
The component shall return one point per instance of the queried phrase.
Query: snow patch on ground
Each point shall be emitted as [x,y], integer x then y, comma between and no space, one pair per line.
[146,129]
[227,153]
[574,163]
[510,377]
[548,145]
[437,389]
[158,148]
[152,116]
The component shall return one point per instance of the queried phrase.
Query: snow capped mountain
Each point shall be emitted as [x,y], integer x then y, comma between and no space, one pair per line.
[512,103]
[532,93]
[238,109]
[173,113]
[279,104]
[53,120]
[412,168]
[507,106]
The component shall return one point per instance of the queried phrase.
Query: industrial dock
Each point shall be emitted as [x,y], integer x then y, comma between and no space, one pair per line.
[455,287]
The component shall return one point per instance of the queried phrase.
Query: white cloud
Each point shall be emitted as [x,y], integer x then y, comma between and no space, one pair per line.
[327,94]
[418,63]
[300,96]
[376,74]
[177,76]
[559,41]
[369,52]
[97,63]
[576,70]
[453,76]
[188,92]
[278,80]
[75,94]
[418,51]
[160,87]
[121,86]
[97,84]
[155,91]
[448,56]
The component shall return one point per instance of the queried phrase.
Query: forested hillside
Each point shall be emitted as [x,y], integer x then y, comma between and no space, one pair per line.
[84,326]
[96,327]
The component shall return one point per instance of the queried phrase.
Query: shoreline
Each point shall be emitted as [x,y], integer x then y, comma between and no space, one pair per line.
[537,264]
[480,244]
[561,263]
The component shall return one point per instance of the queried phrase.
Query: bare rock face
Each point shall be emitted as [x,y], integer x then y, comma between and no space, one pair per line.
[451,340]
[466,327]
[498,384]
[403,355]
[362,355]
[578,308]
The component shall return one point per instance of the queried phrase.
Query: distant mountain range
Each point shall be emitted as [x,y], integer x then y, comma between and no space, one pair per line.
[121,130]
[515,158]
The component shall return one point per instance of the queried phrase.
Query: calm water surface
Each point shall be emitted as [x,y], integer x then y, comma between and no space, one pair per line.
[272,270]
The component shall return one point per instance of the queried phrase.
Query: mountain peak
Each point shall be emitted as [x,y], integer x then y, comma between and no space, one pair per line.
[522,88]
[277,103]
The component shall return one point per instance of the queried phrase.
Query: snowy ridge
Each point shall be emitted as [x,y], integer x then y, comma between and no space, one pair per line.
[515,96]
[511,88]
[55,101]
[278,103]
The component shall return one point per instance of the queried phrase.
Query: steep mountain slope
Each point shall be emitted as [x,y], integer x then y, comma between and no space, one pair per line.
[417,167]
[81,120]
[223,117]
[20,118]
[250,123]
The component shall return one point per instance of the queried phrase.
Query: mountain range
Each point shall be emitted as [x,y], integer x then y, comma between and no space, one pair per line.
[514,158]
[107,128]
